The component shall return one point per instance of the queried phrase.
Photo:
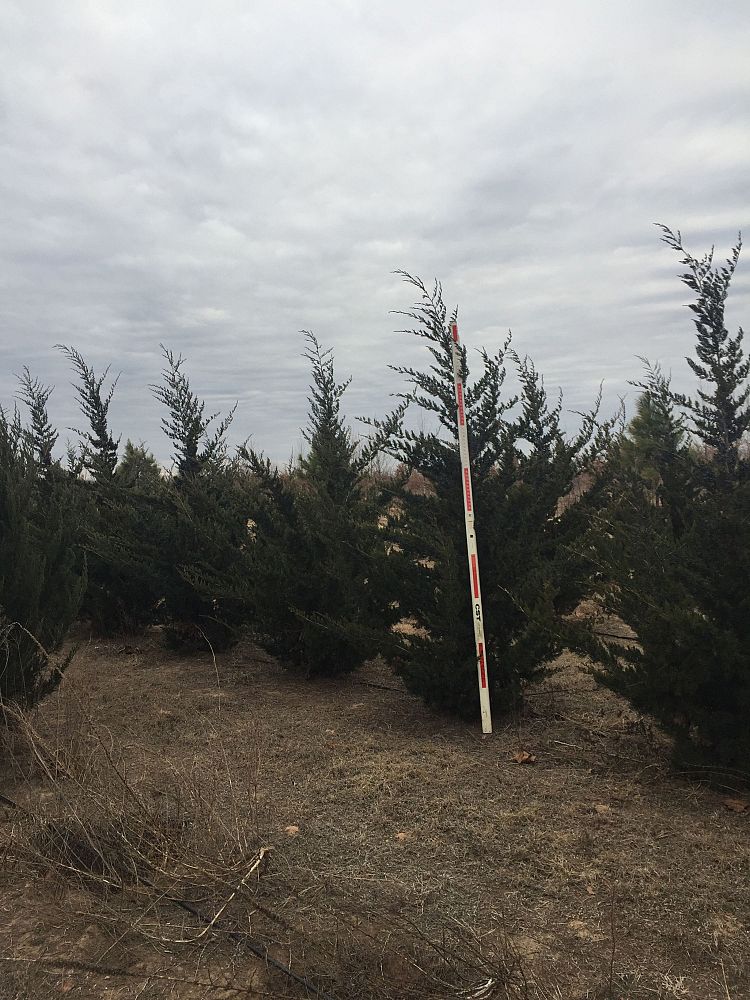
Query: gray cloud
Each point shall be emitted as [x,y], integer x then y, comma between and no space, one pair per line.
[221,179]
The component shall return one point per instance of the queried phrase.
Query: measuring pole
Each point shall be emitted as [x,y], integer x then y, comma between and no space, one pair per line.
[471,539]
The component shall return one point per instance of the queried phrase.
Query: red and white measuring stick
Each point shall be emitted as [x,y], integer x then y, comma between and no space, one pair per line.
[471,540]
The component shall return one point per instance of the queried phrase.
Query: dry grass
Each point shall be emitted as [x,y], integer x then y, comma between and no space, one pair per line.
[406,855]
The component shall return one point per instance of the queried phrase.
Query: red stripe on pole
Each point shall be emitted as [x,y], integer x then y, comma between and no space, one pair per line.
[460,399]
[482,671]
[454,331]
[474,575]
[467,488]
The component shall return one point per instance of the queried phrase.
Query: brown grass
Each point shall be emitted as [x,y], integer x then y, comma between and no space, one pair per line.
[408,856]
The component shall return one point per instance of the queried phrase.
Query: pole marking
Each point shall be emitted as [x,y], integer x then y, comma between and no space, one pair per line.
[467,488]
[460,399]
[482,671]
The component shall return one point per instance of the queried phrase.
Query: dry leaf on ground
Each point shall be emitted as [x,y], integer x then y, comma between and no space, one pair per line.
[524,757]
[737,805]
[292,830]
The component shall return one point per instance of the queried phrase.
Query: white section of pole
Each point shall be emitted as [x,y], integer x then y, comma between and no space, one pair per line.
[471,540]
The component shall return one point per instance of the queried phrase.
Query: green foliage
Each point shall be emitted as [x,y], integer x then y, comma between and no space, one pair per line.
[330,462]
[138,469]
[41,435]
[680,582]
[99,448]
[124,588]
[42,572]
[120,594]
[328,563]
[522,467]
[656,433]
[653,459]
[323,581]
[675,557]
[201,534]
[186,425]
[721,413]
[197,524]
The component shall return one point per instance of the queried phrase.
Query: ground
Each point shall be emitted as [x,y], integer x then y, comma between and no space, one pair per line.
[559,858]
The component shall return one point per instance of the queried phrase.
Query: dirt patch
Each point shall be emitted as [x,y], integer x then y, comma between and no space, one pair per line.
[561,852]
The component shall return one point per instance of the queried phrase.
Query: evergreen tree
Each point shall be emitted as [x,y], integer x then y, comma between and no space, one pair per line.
[202,533]
[654,449]
[675,564]
[522,466]
[120,539]
[99,447]
[654,434]
[41,434]
[120,596]
[186,425]
[323,580]
[199,522]
[42,571]
[138,469]
[330,464]
[721,413]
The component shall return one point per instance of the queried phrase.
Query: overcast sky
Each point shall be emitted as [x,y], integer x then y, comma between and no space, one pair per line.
[218,177]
